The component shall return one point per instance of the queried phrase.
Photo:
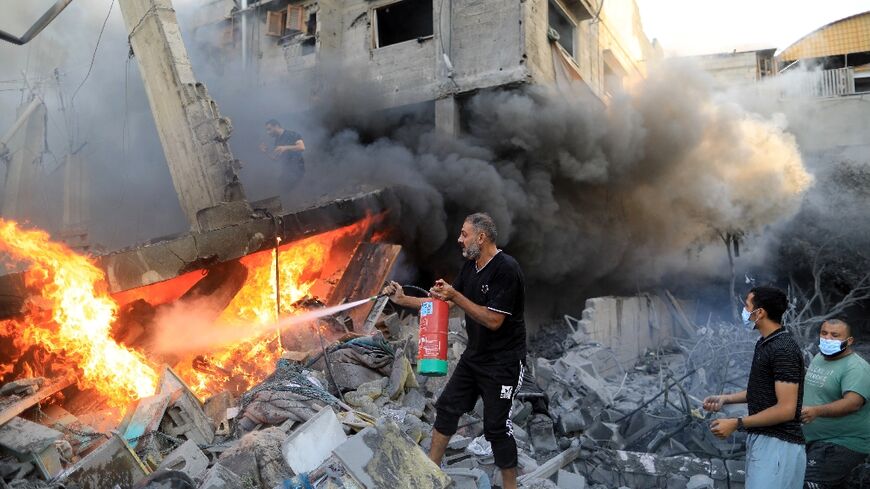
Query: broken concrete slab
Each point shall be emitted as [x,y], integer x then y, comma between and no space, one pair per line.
[22,387]
[700,481]
[570,480]
[215,407]
[13,406]
[313,442]
[82,438]
[147,413]
[114,462]
[383,456]
[187,458]
[32,442]
[186,420]
[257,456]
[220,477]
[167,258]
[541,432]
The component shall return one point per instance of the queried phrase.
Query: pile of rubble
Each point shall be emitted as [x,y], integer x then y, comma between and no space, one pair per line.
[357,415]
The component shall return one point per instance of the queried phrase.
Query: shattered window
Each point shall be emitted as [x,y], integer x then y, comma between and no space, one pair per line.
[560,23]
[403,21]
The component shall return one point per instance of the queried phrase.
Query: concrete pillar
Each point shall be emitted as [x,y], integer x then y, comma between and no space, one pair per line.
[23,147]
[76,199]
[447,116]
[192,131]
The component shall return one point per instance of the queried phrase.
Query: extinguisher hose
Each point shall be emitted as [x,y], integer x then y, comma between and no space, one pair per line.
[419,289]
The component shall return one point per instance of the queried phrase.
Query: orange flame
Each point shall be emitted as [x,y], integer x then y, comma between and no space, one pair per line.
[249,362]
[73,316]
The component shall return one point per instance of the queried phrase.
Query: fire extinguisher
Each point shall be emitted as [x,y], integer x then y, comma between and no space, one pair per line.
[432,348]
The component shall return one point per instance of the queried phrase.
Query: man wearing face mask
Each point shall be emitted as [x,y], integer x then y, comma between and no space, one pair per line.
[490,289]
[775,456]
[836,414]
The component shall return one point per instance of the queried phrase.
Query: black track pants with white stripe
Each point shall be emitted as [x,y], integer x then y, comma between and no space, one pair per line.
[496,384]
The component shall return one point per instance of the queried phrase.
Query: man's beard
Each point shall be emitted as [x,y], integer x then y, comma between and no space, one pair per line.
[471,251]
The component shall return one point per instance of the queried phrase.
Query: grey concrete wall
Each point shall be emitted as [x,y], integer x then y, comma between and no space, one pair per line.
[628,325]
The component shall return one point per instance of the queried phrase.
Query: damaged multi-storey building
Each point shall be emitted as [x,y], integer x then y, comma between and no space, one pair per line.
[426,52]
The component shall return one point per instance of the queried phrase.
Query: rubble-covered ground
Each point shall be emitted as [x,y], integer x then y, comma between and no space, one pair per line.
[360,417]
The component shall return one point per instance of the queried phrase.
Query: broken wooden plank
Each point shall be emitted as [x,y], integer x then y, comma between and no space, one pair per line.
[9,412]
[364,277]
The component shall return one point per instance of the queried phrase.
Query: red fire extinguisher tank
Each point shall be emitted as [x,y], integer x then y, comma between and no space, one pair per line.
[432,348]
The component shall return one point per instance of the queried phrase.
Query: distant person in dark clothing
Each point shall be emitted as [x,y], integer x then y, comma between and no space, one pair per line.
[287,150]
[775,454]
[490,289]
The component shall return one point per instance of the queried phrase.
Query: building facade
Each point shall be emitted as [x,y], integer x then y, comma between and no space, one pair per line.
[422,51]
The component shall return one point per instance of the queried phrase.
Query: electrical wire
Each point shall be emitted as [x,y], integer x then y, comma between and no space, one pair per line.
[93,56]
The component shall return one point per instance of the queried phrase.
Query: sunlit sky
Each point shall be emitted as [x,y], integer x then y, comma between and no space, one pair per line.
[689,27]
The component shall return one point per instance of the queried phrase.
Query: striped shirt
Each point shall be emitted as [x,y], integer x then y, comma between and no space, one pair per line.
[777,358]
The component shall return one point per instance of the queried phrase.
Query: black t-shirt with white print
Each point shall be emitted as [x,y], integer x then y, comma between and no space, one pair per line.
[498,286]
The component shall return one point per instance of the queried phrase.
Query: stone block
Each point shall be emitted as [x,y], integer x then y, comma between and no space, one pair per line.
[220,477]
[700,481]
[541,432]
[187,458]
[313,442]
[114,462]
[382,456]
[570,480]
[32,442]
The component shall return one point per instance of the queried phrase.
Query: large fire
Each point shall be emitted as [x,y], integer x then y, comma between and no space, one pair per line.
[73,314]
[255,305]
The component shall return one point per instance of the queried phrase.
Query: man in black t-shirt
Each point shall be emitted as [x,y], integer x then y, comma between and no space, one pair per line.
[490,289]
[287,150]
[775,455]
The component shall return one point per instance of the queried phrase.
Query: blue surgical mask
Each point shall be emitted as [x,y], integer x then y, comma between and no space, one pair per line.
[831,347]
[748,323]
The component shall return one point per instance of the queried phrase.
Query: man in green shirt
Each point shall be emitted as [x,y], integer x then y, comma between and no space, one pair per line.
[836,414]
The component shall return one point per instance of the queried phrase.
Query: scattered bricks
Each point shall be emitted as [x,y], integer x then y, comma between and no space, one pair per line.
[220,477]
[32,442]
[541,433]
[700,481]
[143,417]
[382,456]
[187,458]
[570,480]
[113,463]
[313,442]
